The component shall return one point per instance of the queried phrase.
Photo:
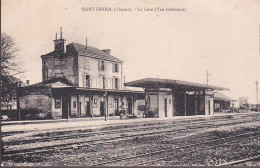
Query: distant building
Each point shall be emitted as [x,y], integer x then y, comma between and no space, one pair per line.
[243,101]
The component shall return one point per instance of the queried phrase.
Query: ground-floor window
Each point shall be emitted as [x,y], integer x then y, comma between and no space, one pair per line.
[57,103]
[74,104]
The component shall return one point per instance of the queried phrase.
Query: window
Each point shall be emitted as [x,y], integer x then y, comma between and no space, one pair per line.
[46,74]
[57,61]
[57,103]
[101,65]
[87,81]
[115,67]
[95,103]
[110,104]
[86,63]
[59,75]
[74,104]
[116,86]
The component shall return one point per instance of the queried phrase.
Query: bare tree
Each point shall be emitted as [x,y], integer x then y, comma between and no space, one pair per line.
[10,67]
[9,62]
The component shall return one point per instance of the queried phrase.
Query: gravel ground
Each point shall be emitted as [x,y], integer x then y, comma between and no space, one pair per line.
[207,155]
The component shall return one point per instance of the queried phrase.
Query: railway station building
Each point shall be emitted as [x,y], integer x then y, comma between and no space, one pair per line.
[83,81]
[80,81]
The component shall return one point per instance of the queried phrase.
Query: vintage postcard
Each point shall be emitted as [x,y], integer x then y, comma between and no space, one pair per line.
[130,83]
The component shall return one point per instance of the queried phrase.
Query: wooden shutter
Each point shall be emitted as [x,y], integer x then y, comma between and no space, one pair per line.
[99,65]
[91,81]
[119,84]
[106,82]
[112,83]
[83,80]
[85,64]
[113,67]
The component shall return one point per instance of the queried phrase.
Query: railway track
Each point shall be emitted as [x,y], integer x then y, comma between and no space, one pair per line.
[188,152]
[168,149]
[91,134]
[46,149]
[238,162]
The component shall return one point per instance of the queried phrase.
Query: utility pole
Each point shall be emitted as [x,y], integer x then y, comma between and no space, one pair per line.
[256,83]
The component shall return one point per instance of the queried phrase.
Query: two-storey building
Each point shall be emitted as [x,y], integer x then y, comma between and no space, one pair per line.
[80,81]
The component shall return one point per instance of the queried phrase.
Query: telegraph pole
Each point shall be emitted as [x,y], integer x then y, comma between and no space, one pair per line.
[256,84]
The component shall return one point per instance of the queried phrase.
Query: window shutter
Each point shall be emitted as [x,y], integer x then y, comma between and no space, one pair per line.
[99,65]
[85,64]
[83,80]
[113,67]
[106,83]
[119,84]
[91,81]
[113,87]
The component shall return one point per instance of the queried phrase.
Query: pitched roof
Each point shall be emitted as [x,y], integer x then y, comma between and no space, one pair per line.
[94,52]
[170,83]
[54,82]
[221,96]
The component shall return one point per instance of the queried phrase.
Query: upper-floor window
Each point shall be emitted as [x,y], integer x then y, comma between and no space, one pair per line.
[115,67]
[57,61]
[116,83]
[87,81]
[86,63]
[101,65]
[59,75]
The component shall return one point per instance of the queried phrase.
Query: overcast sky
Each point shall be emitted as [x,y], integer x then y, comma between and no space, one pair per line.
[221,36]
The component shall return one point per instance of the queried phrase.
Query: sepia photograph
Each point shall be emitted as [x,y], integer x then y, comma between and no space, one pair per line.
[97,83]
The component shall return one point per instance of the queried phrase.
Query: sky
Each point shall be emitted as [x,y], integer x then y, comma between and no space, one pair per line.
[220,36]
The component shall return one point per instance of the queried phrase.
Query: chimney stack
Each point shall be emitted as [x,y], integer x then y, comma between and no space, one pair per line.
[56,36]
[28,82]
[60,32]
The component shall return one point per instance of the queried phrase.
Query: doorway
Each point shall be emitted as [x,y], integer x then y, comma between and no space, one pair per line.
[129,106]
[66,113]
[102,109]
[165,106]
[116,107]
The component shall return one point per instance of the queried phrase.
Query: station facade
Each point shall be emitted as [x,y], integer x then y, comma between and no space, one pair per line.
[80,81]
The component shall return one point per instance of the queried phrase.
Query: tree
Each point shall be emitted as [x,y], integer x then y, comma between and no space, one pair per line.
[10,67]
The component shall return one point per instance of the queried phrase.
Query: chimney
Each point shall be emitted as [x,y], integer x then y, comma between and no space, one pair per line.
[59,43]
[56,36]
[60,32]
[86,42]
[28,82]
[108,51]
